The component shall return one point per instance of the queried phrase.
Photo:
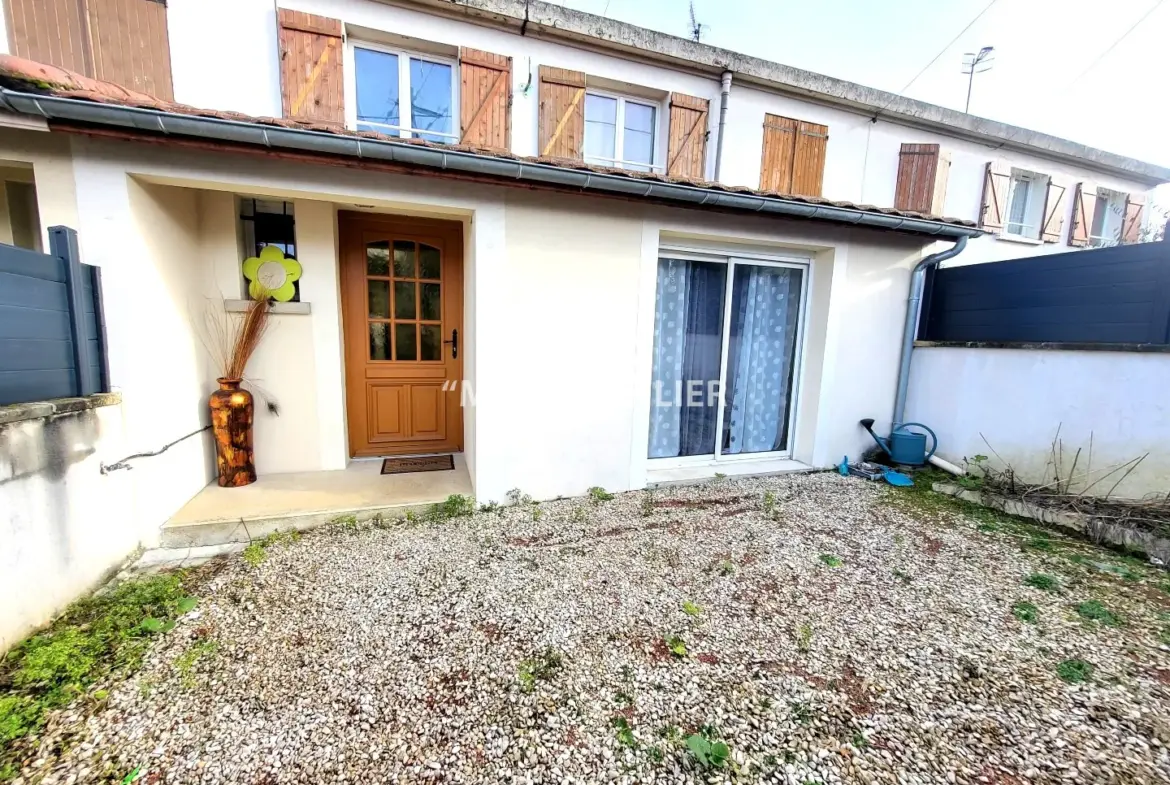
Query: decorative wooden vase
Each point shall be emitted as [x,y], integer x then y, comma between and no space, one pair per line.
[231,422]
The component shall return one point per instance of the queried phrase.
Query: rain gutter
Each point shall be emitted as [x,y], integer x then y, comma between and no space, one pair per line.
[504,168]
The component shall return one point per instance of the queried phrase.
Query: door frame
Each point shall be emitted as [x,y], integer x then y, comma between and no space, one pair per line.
[350,225]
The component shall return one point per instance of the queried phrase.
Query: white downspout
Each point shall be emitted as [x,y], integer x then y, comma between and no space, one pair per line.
[724,97]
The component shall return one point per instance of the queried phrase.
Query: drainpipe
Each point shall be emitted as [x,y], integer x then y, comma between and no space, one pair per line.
[724,96]
[917,284]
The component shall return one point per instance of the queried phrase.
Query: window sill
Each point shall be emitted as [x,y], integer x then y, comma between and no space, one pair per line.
[1015,238]
[241,306]
[702,472]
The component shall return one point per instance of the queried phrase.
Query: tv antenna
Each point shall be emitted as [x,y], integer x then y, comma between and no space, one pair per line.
[976,63]
[696,27]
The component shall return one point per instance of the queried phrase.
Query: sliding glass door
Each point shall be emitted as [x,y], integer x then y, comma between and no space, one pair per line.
[726,344]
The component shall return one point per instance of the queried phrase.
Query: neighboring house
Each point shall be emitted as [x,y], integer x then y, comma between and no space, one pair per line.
[557,215]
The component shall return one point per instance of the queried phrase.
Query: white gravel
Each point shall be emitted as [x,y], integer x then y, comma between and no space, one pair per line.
[393,654]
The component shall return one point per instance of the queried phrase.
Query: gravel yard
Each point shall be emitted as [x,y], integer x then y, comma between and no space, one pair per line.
[825,629]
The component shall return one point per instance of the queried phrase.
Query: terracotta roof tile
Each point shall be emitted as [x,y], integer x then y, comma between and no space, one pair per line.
[33,77]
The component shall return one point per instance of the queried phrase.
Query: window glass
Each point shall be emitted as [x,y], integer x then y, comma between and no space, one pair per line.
[600,129]
[1018,212]
[1108,218]
[430,99]
[269,222]
[377,90]
[638,139]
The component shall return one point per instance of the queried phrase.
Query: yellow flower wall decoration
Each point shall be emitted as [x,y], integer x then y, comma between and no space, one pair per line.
[272,273]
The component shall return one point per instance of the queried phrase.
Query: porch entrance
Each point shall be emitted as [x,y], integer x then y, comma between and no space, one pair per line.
[402,311]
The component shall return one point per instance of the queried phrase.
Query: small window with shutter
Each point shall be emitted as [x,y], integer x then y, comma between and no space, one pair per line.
[922,179]
[793,157]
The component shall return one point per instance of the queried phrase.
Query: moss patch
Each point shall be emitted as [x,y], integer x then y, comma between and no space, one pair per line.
[97,637]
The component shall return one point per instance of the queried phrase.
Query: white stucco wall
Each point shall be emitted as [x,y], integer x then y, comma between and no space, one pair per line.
[63,524]
[1018,399]
[861,159]
[559,299]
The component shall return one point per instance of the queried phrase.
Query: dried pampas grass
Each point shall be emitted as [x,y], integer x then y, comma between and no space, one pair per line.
[231,340]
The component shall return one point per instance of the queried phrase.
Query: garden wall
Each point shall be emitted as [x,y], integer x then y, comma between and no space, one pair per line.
[63,524]
[1019,397]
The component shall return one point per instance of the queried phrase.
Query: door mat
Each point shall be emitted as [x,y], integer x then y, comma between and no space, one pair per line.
[428,463]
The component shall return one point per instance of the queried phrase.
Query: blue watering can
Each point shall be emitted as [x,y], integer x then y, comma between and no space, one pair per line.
[903,445]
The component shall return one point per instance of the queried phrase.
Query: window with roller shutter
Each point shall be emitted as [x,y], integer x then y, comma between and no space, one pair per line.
[793,157]
[119,41]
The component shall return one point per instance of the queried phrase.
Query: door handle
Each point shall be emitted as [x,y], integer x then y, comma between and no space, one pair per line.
[454,344]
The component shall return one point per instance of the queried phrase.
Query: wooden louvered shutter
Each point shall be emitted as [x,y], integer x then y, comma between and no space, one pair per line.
[779,147]
[119,41]
[1084,207]
[1135,208]
[1055,203]
[311,79]
[808,162]
[562,112]
[686,151]
[485,99]
[917,170]
[996,184]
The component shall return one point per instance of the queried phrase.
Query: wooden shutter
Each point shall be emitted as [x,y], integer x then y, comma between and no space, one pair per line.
[562,112]
[1135,208]
[917,170]
[311,80]
[686,151]
[1055,204]
[996,181]
[485,99]
[779,148]
[1084,207]
[808,168]
[119,41]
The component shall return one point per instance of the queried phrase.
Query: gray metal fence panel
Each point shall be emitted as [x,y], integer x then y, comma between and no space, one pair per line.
[52,341]
[1107,295]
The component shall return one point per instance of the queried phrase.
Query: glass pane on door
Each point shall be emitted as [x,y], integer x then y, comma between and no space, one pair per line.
[761,358]
[688,339]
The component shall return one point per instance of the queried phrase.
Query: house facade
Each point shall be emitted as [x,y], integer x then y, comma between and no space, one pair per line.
[581,254]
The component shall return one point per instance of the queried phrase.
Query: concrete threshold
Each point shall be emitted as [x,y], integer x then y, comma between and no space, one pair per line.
[304,500]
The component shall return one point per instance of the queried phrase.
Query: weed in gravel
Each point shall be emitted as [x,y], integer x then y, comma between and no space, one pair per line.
[454,506]
[988,528]
[492,508]
[1093,610]
[97,637]
[904,577]
[254,553]
[518,498]
[411,516]
[624,699]
[676,645]
[1164,636]
[859,741]
[690,609]
[804,635]
[1026,611]
[1039,543]
[624,733]
[670,733]
[769,502]
[579,515]
[647,504]
[537,513]
[1075,671]
[802,712]
[719,477]
[707,750]
[1039,580]
[726,567]
[540,667]
[186,661]
[257,550]
[831,560]
[655,754]
[599,494]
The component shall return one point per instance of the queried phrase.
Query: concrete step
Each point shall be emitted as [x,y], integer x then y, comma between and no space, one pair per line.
[194,534]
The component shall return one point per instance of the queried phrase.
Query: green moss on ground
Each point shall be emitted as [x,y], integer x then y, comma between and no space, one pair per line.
[97,637]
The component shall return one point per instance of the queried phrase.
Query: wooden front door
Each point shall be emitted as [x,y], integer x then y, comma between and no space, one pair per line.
[402,308]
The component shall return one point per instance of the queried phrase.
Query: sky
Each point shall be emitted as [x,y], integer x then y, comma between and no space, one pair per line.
[1053,69]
